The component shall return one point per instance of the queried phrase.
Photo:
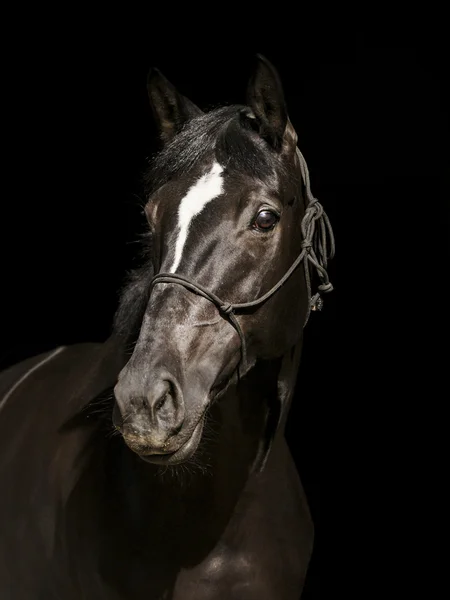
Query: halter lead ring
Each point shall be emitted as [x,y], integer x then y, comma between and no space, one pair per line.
[314,252]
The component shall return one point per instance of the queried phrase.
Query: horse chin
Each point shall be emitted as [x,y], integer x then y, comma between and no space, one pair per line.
[182,454]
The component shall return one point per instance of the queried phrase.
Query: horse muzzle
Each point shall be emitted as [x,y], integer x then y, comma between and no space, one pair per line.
[154,424]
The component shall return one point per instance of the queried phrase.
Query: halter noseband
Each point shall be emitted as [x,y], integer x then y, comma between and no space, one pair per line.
[314,252]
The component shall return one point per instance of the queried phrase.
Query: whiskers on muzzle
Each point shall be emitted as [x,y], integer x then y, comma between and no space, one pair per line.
[200,463]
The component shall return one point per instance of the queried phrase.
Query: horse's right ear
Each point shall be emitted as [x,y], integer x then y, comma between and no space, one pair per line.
[265,96]
[170,109]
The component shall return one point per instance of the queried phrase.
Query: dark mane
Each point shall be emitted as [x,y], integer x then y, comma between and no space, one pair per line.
[226,133]
[133,302]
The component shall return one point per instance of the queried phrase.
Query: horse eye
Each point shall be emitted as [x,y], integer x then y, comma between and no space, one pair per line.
[265,220]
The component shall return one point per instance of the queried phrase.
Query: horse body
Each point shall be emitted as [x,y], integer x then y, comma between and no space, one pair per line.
[193,492]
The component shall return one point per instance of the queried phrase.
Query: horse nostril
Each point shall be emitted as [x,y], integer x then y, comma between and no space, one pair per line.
[165,401]
[160,403]
[163,396]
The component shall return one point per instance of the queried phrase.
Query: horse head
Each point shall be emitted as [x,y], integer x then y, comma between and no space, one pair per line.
[226,212]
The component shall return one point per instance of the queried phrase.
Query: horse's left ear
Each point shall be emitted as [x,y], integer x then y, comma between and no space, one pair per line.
[171,109]
[265,96]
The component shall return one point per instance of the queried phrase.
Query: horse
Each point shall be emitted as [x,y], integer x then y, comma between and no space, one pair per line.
[154,465]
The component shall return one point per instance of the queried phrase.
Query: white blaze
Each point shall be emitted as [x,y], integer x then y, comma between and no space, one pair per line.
[203,191]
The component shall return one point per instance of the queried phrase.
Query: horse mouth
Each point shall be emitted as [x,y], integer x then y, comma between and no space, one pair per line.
[189,447]
[183,453]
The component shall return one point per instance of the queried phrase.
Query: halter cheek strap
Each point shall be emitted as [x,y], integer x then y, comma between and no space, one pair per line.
[317,247]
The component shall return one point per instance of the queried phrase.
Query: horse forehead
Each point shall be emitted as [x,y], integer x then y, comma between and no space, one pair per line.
[205,189]
[187,191]
[191,195]
[233,191]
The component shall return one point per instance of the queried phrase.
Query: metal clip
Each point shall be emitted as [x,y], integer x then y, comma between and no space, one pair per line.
[316,302]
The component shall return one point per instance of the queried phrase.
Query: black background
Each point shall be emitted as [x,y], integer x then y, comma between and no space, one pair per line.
[370,116]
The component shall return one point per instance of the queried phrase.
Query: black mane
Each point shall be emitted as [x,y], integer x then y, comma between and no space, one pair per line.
[226,133]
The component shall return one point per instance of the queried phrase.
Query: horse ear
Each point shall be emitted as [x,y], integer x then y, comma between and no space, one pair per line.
[265,96]
[170,109]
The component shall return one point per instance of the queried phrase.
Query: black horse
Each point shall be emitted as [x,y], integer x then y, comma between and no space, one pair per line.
[154,466]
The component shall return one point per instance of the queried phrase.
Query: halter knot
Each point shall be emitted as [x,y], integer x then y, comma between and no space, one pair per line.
[325,287]
[306,244]
[227,309]
[316,209]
